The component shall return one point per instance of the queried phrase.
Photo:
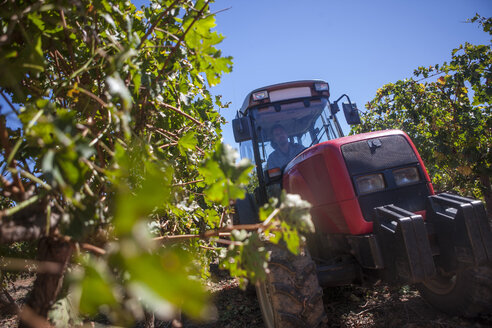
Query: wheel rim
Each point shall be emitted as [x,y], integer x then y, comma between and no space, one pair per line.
[264,299]
[441,285]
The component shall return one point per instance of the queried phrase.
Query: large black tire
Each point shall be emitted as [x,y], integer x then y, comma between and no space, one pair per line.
[291,296]
[468,293]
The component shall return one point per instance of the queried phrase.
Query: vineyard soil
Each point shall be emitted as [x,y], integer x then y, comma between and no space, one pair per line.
[346,307]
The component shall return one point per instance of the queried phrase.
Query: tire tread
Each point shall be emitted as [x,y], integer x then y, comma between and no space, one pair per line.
[296,297]
[471,297]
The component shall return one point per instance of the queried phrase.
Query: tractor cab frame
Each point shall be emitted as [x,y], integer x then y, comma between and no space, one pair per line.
[301,108]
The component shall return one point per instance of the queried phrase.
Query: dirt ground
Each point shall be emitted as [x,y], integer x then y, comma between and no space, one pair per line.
[18,290]
[346,307]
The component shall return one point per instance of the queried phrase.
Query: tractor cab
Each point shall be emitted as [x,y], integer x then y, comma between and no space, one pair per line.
[302,109]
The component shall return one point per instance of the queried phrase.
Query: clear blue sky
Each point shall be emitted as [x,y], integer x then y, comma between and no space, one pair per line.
[356,46]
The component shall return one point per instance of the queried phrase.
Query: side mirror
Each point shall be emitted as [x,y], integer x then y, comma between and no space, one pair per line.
[351,113]
[242,129]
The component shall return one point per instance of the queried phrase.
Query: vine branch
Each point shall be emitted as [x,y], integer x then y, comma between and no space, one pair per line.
[153,26]
[181,38]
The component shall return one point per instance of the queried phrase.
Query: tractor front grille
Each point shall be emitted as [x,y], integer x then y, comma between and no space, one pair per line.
[382,155]
[377,154]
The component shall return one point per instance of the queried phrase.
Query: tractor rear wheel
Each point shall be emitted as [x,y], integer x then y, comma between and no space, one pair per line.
[467,293]
[291,296]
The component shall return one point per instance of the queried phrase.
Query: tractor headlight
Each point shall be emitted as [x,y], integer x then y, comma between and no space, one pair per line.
[406,176]
[321,86]
[260,95]
[370,183]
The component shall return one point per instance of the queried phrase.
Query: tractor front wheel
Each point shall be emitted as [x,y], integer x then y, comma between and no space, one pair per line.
[467,293]
[291,296]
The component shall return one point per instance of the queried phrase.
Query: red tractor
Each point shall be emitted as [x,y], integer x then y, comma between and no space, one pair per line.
[373,205]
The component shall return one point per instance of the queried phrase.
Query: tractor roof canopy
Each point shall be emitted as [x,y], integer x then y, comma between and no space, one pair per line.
[284,91]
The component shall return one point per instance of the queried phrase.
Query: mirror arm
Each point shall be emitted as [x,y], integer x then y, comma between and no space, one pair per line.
[344,95]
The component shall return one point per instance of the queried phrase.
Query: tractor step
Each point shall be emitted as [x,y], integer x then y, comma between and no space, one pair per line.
[463,232]
[404,244]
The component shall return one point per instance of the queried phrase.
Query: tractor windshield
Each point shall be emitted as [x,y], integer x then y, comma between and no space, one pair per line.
[302,122]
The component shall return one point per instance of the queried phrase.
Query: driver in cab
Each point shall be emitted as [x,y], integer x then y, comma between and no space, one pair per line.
[284,150]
